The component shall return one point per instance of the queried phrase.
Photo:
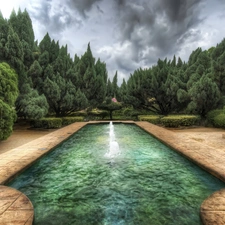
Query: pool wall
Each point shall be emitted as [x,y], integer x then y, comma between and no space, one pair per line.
[212,160]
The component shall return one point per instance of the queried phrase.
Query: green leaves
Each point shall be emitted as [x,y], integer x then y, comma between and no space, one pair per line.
[8,84]
[8,95]
[205,96]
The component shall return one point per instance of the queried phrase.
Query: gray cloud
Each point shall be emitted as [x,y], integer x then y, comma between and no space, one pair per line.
[54,16]
[162,24]
[83,6]
[179,10]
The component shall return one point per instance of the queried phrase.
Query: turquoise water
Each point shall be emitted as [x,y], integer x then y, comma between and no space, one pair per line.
[119,176]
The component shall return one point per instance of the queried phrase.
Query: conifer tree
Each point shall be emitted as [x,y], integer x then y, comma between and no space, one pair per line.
[4,27]
[115,88]
[205,96]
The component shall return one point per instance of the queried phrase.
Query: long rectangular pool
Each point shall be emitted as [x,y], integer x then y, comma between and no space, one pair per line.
[115,174]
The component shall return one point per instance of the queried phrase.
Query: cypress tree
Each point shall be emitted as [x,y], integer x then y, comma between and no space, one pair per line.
[205,96]
[4,27]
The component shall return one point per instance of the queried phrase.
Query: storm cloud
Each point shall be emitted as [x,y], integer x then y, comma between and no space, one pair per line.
[128,34]
[157,28]
[83,6]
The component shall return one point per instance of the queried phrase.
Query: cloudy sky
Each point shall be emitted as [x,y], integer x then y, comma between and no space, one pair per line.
[127,34]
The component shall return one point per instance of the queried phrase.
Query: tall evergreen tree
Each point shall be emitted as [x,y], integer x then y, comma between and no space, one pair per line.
[218,67]
[22,25]
[115,88]
[205,96]
[4,27]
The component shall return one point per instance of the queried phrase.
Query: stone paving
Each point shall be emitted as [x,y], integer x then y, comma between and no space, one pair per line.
[16,209]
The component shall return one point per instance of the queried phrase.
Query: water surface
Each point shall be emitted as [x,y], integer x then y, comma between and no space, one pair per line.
[115,175]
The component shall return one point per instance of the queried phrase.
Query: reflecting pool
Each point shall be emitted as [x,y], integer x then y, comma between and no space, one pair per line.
[115,174]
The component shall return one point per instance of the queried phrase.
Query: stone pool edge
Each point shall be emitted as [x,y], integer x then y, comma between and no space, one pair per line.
[17,160]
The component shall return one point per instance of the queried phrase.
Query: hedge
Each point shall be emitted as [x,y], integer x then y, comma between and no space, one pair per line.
[179,120]
[69,120]
[47,123]
[212,115]
[219,120]
[54,122]
[155,119]
[171,120]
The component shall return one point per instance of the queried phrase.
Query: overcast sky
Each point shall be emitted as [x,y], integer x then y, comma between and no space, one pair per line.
[127,34]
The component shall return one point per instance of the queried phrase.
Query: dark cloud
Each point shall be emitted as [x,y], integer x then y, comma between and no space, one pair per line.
[83,6]
[54,18]
[179,10]
[159,26]
[120,2]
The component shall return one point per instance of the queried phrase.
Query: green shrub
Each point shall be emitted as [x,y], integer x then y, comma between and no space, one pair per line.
[79,113]
[212,114]
[128,111]
[96,115]
[155,119]
[179,120]
[219,120]
[47,123]
[69,120]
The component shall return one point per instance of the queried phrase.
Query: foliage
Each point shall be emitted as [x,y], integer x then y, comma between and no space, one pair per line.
[50,81]
[171,120]
[30,104]
[155,88]
[219,120]
[7,119]
[213,114]
[70,120]
[97,114]
[55,122]
[110,106]
[179,120]
[8,95]
[204,95]
[8,84]
[46,123]
[155,119]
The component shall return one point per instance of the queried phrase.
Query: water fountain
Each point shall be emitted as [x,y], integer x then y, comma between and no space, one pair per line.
[114,149]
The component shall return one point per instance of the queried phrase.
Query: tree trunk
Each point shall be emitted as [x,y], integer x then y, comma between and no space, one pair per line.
[110,114]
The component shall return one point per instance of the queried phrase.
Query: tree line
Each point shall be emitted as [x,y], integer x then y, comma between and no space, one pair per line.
[43,78]
[174,86]
[48,79]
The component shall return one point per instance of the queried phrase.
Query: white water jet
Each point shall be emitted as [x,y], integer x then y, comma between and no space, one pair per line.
[114,149]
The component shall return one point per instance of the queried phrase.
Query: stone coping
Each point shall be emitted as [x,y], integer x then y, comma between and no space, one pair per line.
[15,207]
[17,160]
[213,209]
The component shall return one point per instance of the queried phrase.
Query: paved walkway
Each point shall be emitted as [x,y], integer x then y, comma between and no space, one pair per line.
[15,161]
